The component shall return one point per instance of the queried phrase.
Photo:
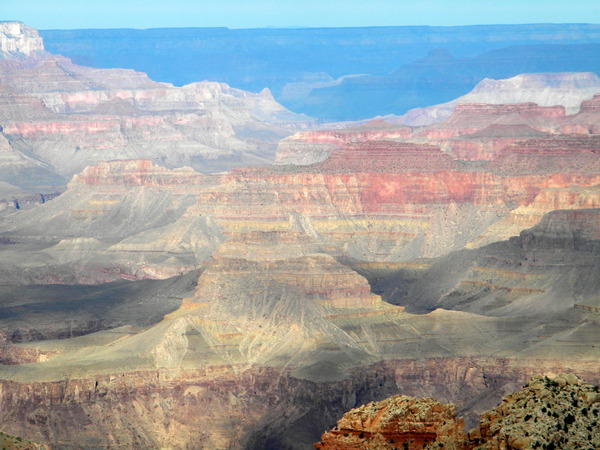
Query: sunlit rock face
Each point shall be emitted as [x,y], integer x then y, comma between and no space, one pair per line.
[545,89]
[396,422]
[311,147]
[556,411]
[471,132]
[18,40]
[370,201]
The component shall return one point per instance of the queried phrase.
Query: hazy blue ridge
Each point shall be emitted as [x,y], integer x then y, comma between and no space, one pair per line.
[404,72]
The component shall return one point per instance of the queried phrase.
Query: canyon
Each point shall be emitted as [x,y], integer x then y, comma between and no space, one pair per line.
[346,73]
[57,118]
[161,301]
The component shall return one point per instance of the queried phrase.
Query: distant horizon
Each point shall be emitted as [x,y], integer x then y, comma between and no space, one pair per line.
[311,27]
[292,14]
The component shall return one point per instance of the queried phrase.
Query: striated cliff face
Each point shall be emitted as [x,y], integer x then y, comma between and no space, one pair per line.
[552,263]
[58,118]
[217,408]
[311,147]
[472,132]
[18,40]
[94,115]
[259,355]
[369,202]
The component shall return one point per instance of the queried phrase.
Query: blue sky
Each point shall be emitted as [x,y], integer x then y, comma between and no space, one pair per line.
[70,14]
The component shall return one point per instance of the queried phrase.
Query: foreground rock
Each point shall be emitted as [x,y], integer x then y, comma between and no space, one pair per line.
[559,412]
[396,422]
[548,413]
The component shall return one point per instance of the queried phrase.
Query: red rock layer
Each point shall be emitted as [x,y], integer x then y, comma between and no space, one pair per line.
[139,172]
[549,413]
[258,191]
[592,105]
[468,118]
[387,156]
[295,148]
[551,154]
[474,131]
[487,144]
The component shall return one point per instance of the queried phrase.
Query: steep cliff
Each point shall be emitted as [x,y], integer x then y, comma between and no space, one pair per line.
[552,264]
[18,40]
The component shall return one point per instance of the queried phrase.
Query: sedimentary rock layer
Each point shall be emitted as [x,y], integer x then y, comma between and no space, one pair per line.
[217,408]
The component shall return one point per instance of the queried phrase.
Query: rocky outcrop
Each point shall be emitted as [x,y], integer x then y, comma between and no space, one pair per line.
[396,422]
[371,202]
[487,144]
[552,154]
[557,412]
[136,173]
[472,132]
[391,157]
[18,40]
[548,412]
[468,118]
[552,263]
[221,407]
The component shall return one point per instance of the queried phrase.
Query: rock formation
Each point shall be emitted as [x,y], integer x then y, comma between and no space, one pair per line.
[17,40]
[548,412]
[553,262]
[472,132]
[276,338]
[396,422]
[558,412]
[545,89]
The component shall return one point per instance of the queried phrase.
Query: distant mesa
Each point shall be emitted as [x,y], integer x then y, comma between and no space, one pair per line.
[567,89]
